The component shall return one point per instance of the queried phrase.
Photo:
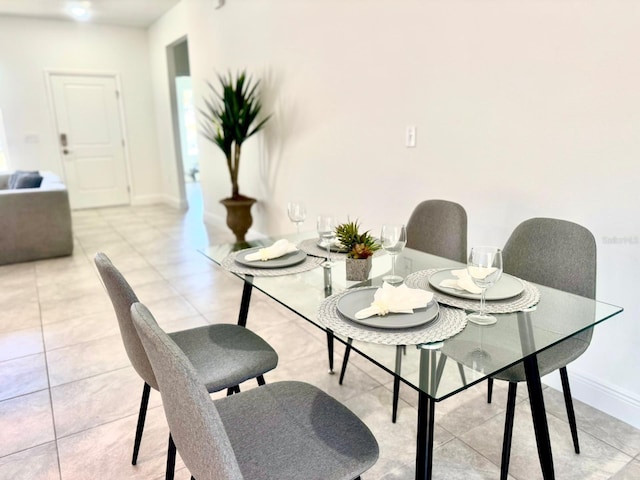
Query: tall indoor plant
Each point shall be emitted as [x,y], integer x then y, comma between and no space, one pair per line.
[228,120]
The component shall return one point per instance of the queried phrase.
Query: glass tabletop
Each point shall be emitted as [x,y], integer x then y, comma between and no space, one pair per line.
[444,368]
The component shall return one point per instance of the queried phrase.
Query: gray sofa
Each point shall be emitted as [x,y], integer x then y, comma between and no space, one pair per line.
[35,223]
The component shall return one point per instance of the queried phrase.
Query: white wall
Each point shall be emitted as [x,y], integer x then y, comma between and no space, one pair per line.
[29,47]
[167,31]
[522,109]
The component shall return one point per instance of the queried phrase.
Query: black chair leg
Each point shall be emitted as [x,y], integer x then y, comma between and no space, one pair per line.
[236,389]
[345,360]
[171,460]
[462,375]
[508,430]
[568,401]
[489,389]
[260,380]
[142,415]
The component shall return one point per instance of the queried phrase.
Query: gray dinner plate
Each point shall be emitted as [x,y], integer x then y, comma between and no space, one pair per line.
[352,302]
[286,260]
[507,287]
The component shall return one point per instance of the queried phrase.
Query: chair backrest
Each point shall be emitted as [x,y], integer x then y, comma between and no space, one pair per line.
[439,227]
[193,419]
[555,253]
[122,297]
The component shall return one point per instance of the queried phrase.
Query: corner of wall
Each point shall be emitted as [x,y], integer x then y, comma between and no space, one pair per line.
[141,200]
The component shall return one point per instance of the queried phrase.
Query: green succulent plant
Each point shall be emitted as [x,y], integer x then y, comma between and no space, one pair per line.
[357,245]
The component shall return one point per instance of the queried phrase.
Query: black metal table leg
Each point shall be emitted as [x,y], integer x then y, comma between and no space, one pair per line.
[328,290]
[424,453]
[539,415]
[246,299]
[330,350]
[396,384]
[426,412]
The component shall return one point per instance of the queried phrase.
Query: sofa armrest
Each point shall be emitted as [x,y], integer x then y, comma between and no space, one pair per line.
[34,224]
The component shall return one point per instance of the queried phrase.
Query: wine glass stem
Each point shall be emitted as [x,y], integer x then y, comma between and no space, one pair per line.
[298,228]
[393,265]
[328,250]
[482,305]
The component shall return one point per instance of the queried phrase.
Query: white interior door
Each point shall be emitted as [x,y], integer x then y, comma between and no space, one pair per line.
[91,140]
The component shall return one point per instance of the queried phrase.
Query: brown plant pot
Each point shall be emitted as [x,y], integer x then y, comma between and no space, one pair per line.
[239,218]
[358,269]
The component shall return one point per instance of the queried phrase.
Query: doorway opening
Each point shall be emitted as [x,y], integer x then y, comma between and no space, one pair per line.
[185,125]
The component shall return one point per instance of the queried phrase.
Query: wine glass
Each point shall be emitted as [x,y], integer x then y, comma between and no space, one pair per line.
[297,213]
[326,225]
[485,269]
[479,359]
[393,238]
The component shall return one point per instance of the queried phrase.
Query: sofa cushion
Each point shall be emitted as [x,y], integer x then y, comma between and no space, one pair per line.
[13,179]
[28,180]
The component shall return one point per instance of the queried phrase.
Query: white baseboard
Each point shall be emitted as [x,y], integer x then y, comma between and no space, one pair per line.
[620,404]
[175,202]
[141,200]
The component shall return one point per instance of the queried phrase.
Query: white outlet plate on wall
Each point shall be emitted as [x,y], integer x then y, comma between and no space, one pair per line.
[410,136]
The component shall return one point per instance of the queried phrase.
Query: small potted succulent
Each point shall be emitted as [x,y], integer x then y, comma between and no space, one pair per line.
[360,247]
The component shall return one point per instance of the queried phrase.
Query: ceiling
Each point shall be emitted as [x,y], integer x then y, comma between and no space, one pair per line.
[128,13]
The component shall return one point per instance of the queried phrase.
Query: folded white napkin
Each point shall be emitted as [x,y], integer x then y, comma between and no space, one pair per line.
[278,249]
[390,299]
[461,282]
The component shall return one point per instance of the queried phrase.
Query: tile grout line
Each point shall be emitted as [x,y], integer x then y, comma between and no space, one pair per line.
[46,366]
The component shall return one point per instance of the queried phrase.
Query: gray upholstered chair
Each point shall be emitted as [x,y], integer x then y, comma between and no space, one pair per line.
[561,255]
[223,355]
[281,431]
[438,227]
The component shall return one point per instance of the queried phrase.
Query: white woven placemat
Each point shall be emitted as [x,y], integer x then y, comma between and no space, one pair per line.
[310,247]
[229,262]
[528,298]
[450,321]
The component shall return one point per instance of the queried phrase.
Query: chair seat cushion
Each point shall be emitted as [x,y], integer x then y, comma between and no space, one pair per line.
[550,359]
[293,430]
[225,355]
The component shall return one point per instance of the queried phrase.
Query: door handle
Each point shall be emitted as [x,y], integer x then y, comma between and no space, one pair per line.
[63,140]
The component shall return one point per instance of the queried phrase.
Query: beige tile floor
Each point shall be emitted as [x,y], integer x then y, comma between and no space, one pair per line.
[69,397]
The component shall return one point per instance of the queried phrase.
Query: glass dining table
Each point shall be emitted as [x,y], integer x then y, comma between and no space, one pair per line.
[440,369]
